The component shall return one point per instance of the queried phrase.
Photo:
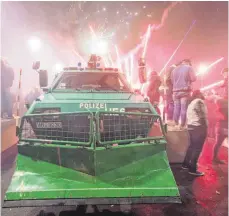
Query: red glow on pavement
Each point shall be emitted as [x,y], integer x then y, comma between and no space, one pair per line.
[206,187]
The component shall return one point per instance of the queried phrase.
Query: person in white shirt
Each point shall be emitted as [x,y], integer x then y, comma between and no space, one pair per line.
[197,128]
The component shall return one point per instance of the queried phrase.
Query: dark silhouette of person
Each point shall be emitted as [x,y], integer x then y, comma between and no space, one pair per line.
[7,78]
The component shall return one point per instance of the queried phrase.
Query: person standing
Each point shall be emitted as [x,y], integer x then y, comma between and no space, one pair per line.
[182,78]
[221,128]
[197,129]
[7,78]
[153,92]
[169,104]
[225,83]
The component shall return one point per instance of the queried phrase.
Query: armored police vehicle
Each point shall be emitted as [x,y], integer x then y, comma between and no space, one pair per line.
[91,139]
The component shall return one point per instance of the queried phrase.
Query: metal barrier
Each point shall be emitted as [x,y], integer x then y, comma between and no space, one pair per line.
[58,128]
[119,127]
[78,128]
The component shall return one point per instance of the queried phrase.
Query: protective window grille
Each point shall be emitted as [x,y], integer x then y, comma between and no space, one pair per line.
[120,127]
[58,127]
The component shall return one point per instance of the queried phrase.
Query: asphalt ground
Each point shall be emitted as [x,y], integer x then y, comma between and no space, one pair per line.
[201,196]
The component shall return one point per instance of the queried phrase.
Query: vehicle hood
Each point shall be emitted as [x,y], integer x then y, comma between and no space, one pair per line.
[91,96]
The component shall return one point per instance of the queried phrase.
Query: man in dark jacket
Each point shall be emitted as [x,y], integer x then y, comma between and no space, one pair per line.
[153,89]
[7,78]
[182,77]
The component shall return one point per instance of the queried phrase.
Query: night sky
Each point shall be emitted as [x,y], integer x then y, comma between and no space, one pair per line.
[65,26]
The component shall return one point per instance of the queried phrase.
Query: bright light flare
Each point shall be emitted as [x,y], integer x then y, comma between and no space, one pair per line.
[146,41]
[110,59]
[136,86]
[58,67]
[131,65]
[162,70]
[34,44]
[203,69]
[118,61]
[127,69]
[212,85]
[98,46]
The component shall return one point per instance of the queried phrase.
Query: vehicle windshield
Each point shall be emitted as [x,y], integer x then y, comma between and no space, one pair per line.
[92,81]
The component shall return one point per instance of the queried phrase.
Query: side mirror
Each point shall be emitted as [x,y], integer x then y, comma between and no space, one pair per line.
[36,65]
[43,78]
[142,71]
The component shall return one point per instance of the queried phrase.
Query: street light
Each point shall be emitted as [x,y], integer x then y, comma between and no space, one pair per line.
[34,44]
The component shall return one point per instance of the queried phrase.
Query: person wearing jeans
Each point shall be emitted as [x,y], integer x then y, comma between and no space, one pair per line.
[182,77]
[197,130]
[181,101]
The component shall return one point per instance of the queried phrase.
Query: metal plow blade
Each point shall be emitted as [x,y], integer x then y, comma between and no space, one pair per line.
[146,180]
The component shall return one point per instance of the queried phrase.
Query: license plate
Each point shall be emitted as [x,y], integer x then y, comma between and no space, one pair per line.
[49,124]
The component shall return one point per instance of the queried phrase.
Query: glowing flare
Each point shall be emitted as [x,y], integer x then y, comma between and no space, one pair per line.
[110,59]
[203,69]
[118,58]
[146,41]
[177,47]
[98,46]
[131,65]
[59,67]
[34,44]
[212,85]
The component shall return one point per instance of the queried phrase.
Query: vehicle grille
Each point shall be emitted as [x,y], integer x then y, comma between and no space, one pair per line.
[79,128]
[74,127]
[117,128]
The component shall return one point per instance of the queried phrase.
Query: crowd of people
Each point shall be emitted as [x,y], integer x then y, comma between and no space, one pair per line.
[9,100]
[186,109]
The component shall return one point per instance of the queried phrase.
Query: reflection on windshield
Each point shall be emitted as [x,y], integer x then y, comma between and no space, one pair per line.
[92,81]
